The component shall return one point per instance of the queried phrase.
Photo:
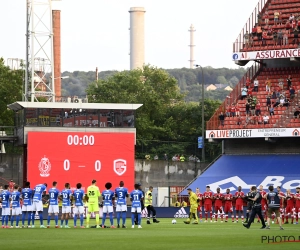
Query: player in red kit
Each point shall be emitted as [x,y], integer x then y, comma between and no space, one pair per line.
[228,197]
[289,210]
[200,197]
[297,207]
[207,197]
[263,202]
[218,197]
[281,203]
[239,196]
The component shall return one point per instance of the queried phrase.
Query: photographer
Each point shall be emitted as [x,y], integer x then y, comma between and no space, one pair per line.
[256,209]
[249,205]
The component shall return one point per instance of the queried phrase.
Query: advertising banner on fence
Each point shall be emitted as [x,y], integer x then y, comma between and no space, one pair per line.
[267,54]
[252,133]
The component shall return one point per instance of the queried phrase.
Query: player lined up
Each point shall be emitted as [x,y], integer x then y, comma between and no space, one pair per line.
[32,204]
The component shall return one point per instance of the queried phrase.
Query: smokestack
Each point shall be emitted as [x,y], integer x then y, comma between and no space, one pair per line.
[96,73]
[192,45]
[57,52]
[137,37]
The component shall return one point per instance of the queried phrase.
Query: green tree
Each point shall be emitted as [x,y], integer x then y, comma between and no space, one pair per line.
[10,91]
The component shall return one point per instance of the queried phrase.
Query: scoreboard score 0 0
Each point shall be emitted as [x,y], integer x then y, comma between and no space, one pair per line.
[80,157]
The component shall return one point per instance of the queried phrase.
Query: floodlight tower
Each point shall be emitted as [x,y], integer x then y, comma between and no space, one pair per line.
[39,51]
[192,45]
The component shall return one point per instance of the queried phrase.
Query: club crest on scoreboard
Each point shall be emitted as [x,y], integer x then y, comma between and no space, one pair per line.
[44,167]
[120,166]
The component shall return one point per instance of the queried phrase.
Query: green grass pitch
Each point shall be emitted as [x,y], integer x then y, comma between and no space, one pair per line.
[164,235]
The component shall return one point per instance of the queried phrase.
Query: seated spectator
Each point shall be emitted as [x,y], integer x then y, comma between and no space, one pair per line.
[228,110]
[266,119]
[276,103]
[271,110]
[296,40]
[257,109]
[247,108]
[237,110]
[291,18]
[221,118]
[282,94]
[268,101]
[297,113]
[289,82]
[252,106]
[285,39]
[292,92]
[244,92]
[260,120]
[286,102]
[280,37]
[275,37]
[256,83]
[281,102]
[232,110]
[268,85]
[280,83]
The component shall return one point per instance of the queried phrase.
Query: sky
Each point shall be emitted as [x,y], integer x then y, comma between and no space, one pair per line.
[95,33]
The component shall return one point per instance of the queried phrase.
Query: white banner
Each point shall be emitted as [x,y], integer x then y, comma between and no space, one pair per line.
[267,54]
[253,133]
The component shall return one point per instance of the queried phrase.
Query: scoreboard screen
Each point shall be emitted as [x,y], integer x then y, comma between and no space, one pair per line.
[80,157]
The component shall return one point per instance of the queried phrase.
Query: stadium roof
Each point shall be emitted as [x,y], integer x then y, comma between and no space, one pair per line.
[16,106]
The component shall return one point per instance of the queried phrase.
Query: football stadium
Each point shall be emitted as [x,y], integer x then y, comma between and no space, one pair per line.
[88,172]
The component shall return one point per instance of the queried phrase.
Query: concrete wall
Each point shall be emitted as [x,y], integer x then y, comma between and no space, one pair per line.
[158,173]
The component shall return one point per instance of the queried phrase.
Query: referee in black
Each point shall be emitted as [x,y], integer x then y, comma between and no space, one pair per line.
[249,206]
[256,208]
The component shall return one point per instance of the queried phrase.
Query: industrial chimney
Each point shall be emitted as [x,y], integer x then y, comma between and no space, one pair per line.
[56,50]
[192,45]
[137,37]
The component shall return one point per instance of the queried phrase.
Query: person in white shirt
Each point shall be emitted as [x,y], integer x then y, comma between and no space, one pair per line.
[256,83]
[266,119]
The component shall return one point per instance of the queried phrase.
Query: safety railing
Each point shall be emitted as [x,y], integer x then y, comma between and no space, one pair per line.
[7,131]
[235,94]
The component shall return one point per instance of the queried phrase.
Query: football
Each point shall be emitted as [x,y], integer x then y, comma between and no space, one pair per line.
[174,221]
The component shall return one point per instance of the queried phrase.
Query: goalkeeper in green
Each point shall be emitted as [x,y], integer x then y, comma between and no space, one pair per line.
[93,194]
[194,200]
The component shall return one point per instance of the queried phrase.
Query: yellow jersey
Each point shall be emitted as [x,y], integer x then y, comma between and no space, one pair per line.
[93,193]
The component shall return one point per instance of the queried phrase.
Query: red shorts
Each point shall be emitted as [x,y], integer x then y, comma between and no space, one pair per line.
[297,209]
[289,210]
[264,207]
[238,207]
[207,207]
[228,209]
[199,208]
[281,210]
[218,208]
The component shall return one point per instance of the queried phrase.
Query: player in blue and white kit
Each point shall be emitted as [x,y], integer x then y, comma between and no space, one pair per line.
[16,207]
[5,199]
[108,197]
[53,204]
[79,209]
[37,205]
[136,196]
[121,194]
[27,204]
[66,205]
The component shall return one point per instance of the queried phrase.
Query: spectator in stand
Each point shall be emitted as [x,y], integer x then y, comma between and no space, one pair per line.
[266,118]
[250,41]
[297,113]
[281,102]
[271,110]
[292,92]
[273,94]
[266,17]
[239,120]
[255,120]
[257,109]
[286,102]
[256,83]
[275,37]
[296,40]
[237,110]
[294,24]
[244,93]
[228,110]
[248,82]
[254,30]
[259,18]
[259,32]
[254,99]
[298,24]
[285,38]
[264,38]
[289,82]
[276,16]
[246,37]
[268,85]
[260,120]
[252,106]
[270,30]
[291,18]
[222,118]
[288,27]
[280,37]
[276,103]
[247,108]
[268,102]
[247,120]
[280,83]
[250,92]
[280,18]
[250,99]
[232,110]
